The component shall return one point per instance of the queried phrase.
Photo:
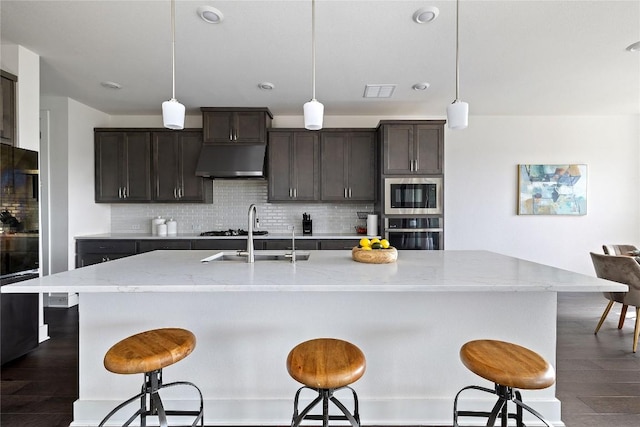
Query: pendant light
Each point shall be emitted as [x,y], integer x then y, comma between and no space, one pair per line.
[313,110]
[172,110]
[458,111]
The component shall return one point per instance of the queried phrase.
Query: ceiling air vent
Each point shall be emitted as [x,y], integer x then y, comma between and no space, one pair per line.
[378,91]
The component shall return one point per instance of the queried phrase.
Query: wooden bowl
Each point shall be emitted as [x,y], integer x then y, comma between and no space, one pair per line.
[375,256]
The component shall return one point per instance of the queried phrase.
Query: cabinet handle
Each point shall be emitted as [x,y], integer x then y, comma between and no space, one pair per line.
[119,192]
[349,192]
[345,192]
[231,134]
[295,193]
[124,192]
[180,193]
[235,137]
[415,167]
[290,193]
[175,193]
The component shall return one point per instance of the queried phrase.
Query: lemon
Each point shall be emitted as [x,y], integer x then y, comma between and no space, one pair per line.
[375,240]
[365,243]
[366,248]
[384,243]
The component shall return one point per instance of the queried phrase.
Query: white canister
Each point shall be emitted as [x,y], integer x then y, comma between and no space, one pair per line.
[162,229]
[172,227]
[155,222]
[372,225]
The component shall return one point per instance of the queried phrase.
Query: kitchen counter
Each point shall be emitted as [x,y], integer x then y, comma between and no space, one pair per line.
[415,271]
[409,318]
[191,236]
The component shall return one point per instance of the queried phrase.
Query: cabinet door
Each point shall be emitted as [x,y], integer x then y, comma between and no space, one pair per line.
[334,159]
[338,244]
[122,167]
[218,126]
[305,166]
[192,188]
[429,149]
[250,127]
[137,166]
[108,165]
[166,155]
[279,152]
[362,167]
[7,110]
[398,149]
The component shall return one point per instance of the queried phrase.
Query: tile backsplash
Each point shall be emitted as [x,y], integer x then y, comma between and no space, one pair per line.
[231,200]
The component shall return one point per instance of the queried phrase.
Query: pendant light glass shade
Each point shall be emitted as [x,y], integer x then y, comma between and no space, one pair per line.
[313,114]
[458,115]
[172,110]
[173,114]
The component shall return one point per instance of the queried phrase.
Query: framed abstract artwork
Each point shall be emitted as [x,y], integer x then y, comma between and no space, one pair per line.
[552,189]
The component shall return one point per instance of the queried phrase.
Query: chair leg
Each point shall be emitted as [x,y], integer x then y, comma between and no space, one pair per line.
[636,330]
[623,314]
[604,316]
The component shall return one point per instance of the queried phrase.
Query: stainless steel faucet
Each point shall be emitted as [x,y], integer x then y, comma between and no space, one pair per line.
[293,244]
[253,222]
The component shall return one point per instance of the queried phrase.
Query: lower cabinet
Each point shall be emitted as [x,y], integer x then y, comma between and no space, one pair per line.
[154,245]
[285,244]
[89,251]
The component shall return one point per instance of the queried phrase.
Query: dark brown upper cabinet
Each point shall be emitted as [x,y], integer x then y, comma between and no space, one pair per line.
[235,125]
[122,167]
[8,108]
[293,166]
[348,168]
[175,156]
[412,148]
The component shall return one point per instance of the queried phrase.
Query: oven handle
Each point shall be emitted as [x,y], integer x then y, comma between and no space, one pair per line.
[419,230]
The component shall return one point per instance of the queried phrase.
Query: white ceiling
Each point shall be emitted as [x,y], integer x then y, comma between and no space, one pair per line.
[541,57]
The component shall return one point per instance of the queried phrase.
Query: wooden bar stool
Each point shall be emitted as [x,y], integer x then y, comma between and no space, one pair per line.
[147,353]
[326,365]
[509,367]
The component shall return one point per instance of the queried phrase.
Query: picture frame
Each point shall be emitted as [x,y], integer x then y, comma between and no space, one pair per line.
[552,189]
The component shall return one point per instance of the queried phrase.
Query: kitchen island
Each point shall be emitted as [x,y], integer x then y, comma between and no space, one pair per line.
[409,318]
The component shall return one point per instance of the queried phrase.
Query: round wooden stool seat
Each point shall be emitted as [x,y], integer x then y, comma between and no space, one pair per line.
[149,351]
[507,364]
[326,363]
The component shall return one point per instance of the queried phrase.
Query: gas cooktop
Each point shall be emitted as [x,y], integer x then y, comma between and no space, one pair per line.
[230,232]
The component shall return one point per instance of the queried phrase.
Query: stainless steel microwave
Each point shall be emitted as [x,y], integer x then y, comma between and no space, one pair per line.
[413,196]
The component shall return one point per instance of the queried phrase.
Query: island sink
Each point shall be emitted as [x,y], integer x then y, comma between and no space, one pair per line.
[241,256]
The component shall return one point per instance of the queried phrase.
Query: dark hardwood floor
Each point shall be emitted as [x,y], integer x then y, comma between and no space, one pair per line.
[598,376]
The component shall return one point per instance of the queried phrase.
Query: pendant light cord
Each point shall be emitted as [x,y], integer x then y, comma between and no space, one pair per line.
[457,50]
[313,49]
[173,48]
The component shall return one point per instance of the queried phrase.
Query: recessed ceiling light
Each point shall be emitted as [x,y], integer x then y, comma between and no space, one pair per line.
[266,86]
[425,14]
[210,14]
[421,86]
[634,47]
[111,85]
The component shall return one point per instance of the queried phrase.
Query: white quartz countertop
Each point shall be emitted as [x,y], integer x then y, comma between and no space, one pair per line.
[325,271]
[192,236]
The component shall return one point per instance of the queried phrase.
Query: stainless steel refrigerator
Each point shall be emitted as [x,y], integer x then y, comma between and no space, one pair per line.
[19,249]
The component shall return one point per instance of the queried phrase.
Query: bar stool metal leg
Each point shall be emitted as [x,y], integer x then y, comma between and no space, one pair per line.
[154,407]
[500,409]
[325,396]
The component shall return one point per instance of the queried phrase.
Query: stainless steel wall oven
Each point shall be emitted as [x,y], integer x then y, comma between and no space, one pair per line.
[414,233]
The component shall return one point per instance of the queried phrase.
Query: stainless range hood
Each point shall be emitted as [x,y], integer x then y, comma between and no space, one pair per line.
[229,161]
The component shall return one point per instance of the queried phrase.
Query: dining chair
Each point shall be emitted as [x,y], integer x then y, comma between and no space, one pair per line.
[621,269]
